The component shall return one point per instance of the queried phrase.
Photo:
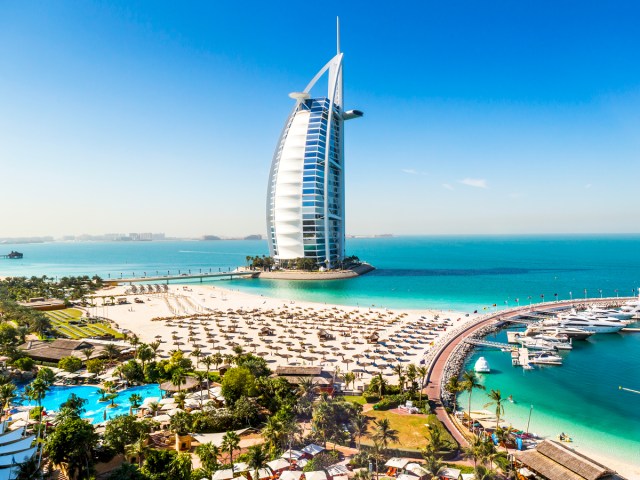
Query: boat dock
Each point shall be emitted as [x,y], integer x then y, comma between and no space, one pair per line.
[488,343]
[520,357]
[183,277]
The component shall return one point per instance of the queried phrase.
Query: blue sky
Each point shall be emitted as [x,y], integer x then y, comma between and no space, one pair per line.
[480,117]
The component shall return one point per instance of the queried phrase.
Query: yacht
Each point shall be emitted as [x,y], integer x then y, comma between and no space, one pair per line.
[595,325]
[535,343]
[482,366]
[604,312]
[546,358]
[557,332]
[560,342]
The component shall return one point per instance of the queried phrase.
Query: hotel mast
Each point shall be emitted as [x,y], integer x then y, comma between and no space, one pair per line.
[305,196]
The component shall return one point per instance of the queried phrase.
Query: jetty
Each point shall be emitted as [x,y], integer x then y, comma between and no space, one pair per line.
[488,343]
[13,255]
[182,277]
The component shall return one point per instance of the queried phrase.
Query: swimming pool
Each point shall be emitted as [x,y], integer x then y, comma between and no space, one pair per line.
[95,410]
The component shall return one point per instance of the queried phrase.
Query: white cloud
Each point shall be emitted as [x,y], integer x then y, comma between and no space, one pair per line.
[474,182]
[588,185]
[411,171]
[447,186]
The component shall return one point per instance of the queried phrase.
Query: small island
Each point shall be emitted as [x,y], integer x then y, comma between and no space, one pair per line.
[306,268]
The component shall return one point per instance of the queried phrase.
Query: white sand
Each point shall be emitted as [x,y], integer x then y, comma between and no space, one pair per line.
[407,334]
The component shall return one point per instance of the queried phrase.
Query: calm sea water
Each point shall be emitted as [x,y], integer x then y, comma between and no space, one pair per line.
[465,273]
[468,273]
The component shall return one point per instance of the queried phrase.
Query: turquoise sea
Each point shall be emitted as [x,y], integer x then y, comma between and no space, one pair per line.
[462,273]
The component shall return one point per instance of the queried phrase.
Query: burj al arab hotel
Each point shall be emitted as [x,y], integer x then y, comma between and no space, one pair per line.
[305,196]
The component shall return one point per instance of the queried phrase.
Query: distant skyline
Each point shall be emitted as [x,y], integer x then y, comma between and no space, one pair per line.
[492,118]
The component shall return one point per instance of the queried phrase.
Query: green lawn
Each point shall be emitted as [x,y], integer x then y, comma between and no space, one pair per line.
[61,323]
[413,432]
[355,399]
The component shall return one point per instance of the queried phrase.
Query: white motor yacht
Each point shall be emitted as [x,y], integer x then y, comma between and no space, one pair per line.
[545,358]
[535,343]
[482,366]
[595,325]
[605,312]
[560,342]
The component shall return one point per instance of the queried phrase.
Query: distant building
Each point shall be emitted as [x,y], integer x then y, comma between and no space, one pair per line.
[42,351]
[554,461]
[321,378]
[43,304]
[305,196]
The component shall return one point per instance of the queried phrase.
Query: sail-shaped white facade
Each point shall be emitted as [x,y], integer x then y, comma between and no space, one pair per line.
[305,196]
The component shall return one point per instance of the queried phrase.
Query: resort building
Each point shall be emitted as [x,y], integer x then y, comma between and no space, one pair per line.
[305,196]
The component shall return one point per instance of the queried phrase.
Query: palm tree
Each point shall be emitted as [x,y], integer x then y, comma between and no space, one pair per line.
[399,370]
[145,354]
[496,399]
[217,359]
[153,407]
[349,377]
[138,449]
[180,398]
[36,391]
[7,394]
[230,442]
[197,353]
[363,474]
[272,433]
[134,341]
[87,352]
[470,382]
[438,444]
[155,346]
[384,434]
[422,371]
[360,424]
[412,374]
[454,387]
[111,351]
[378,383]
[256,458]
[433,465]
[208,454]
[179,378]
[208,360]
[480,472]
[475,450]
[135,400]
[376,454]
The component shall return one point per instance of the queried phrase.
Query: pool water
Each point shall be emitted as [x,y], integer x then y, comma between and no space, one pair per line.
[94,409]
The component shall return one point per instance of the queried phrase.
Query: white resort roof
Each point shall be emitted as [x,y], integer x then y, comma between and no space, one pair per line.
[223,474]
[312,449]
[317,475]
[452,473]
[278,464]
[290,475]
[396,462]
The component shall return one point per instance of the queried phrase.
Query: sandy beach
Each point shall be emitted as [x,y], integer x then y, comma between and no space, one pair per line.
[214,319]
